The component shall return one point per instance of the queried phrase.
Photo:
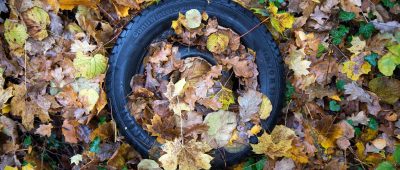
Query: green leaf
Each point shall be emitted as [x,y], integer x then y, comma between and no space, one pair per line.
[385,166]
[373,124]
[366,30]
[387,64]
[340,85]
[15,34]
[357,131]
[385,87]
[289,91]
[321,50]
[346,16]
[27,141]
[396,154]
[102,120]
[334,106]
[371,59]
[90,67]
[338,34]
[95,145]
[260,164]
[260,11]
[261,1]
[388,3]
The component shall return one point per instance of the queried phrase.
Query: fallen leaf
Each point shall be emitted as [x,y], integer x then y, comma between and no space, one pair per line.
[221,125]
[379,143]
[71,4]
[357,45]
[15,35]
[36,20]
[82,46]
[90,67]
[44,130]
[276,144]
[188,156]
[356,67]
[384,88]
[146,164]
[360,118]
[390,60]
[296,62]
[217,42]
[280,21]
[76,159]
[249,104]
[69,132]
[265,108]
[193,18]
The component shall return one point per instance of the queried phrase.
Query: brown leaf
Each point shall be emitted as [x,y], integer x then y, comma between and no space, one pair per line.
[249,104]
[44,130]
[104,131]
[69,132]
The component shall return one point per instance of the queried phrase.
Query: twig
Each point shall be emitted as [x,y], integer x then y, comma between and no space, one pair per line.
[256,26]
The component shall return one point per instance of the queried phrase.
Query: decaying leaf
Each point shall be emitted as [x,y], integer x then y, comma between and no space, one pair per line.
[386,88]
[44,130]
[249,104]
[37,19]
[297,63]
[221,124]
[217,42]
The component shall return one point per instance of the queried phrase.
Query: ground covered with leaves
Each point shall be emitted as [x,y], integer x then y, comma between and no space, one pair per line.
[341,109]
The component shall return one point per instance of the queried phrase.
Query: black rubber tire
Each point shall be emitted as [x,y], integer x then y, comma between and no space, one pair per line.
[128,52]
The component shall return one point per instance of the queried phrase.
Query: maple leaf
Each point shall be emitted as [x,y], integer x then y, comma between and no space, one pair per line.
[356,67]
[76,159]
[357,45]
[44,130]
[296,62]
[249,104]
[221,124]
[280,21]
[188,156]
[163,128]
[276,144]
[82,46]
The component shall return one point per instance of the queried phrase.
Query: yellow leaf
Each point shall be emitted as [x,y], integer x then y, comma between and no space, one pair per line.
[71,4]
[15,35]
[10,168]
[280,21]
[360,150]
[217,42]
[255,129]
[36,19]
[355,67]
[122,11]
[89,98]
[178,87]
[296,62]
[90,67]
[335,97]
[265,108]
[276,144]
[357,45]
[225,97]
[188,156]
[28,166]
